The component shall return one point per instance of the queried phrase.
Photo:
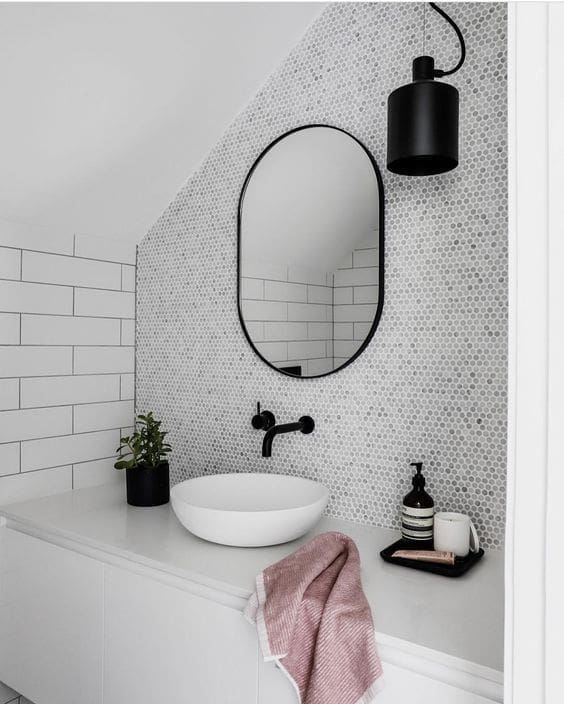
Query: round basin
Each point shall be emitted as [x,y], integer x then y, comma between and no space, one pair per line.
[248,510]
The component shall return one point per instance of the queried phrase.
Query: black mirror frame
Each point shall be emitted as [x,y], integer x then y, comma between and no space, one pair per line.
[381,257]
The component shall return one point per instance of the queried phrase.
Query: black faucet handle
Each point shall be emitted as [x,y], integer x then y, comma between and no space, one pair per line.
[264,420]
[308,425]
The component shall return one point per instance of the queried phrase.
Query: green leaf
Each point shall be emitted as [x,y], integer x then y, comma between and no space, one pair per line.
[146,444]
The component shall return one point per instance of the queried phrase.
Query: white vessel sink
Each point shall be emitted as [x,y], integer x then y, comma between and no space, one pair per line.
[248,510]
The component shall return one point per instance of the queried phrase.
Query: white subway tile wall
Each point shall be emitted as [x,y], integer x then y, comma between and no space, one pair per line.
[67,360]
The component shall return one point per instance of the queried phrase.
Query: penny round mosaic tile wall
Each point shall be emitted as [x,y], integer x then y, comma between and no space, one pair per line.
[431,385]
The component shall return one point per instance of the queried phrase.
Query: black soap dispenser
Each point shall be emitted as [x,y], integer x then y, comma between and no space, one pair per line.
[417,512]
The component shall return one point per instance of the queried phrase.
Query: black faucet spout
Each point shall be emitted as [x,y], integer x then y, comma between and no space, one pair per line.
[304,425]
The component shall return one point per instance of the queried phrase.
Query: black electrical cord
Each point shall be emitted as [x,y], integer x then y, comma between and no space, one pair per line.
[439,73]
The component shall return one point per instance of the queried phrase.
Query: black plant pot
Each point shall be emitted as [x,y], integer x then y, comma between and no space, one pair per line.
[148,486]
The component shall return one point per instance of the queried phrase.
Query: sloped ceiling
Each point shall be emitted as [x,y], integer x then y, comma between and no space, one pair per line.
[107,108]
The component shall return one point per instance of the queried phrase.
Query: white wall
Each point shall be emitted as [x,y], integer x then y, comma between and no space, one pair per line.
[67,319]
[108,107]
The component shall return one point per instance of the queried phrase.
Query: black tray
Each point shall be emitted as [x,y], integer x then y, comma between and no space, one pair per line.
[460,567]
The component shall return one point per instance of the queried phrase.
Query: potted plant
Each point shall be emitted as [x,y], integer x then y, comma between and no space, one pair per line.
[143,456]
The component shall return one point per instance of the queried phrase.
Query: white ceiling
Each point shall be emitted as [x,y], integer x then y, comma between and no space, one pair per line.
[107,108]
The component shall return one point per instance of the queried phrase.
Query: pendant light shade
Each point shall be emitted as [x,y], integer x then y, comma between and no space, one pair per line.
[423,120]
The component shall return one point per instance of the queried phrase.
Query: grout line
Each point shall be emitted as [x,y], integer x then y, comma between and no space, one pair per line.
[66,435]
[67,344]
[51,283]
[69,256]
[65,315]
[56,466]
[53,376]
[65,405]
[98,459]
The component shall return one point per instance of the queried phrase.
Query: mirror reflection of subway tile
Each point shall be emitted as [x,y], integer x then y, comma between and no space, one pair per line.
[285,331]
[282,291]
[366,294]
[277,351]
[365,257]
[319,331]
[255,330]
[252,288]
[346,348]
[264,310]
[356,277]
[10,263]
[339,361]
[319,294]
[293,363]
[343,331]
[346,262]
[307,350]
[367,242]
[330,347]
[307,311]
[354,313]
[263,269]
[343,295]
[329,312]
[319,366]
[304,275]
[361,330]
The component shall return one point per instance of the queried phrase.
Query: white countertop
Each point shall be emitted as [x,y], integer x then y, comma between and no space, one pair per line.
[459,617]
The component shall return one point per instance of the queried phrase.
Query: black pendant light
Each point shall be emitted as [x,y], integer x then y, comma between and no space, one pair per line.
[423,118]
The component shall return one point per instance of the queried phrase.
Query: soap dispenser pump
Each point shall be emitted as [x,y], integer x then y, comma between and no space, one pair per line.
[417,512]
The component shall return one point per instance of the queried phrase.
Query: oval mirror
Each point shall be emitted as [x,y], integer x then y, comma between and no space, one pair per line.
[311,251]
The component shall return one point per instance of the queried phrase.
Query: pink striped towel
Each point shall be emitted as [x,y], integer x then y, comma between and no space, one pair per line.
[312,618]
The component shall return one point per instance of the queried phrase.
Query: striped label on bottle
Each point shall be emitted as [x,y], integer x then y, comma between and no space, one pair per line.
[417,523]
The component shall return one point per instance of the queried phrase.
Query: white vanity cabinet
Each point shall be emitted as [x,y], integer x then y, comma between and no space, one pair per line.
[77,631]
[165,645]
[51,616]
[400,686]
[101,604]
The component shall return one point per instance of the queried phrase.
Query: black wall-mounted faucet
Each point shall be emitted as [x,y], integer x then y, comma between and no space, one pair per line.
[266,421]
